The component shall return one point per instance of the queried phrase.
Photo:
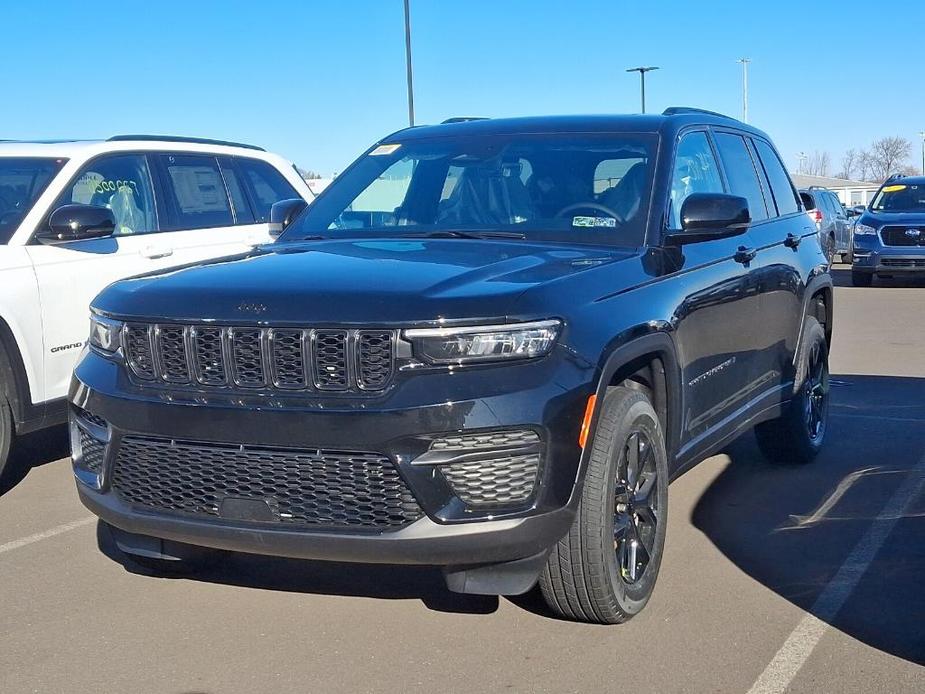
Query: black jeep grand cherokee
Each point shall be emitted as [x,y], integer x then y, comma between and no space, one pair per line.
[488,346]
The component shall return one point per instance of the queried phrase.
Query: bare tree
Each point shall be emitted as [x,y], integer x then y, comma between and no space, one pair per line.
[864,165]
[887,155]
[849,163]
[818,164]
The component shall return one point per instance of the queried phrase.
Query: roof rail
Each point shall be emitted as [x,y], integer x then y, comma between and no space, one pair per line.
[679,110]
[893,177]
[462,119]
[176,138]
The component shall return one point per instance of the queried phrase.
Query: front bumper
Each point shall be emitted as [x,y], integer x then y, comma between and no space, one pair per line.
[877,258]
[546,397]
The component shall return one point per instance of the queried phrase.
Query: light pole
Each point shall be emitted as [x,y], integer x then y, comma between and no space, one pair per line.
[923,151]
[745,62]
[642,81]
[802,157]
[408,62]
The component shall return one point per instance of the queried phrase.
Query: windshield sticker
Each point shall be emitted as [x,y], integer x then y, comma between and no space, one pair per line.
[594,222]
[893,189]
[382,150]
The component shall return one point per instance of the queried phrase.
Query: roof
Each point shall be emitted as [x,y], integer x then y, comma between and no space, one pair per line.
[655,123]
[70,148]
[807,181]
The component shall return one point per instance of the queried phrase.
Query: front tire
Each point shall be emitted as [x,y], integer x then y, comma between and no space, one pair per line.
[798,434]
[6,432]
[604,570]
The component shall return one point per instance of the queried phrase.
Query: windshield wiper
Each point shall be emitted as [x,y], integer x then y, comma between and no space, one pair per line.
[312,237]
[457,234]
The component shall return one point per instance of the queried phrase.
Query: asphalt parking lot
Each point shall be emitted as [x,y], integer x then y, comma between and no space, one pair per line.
[805,580]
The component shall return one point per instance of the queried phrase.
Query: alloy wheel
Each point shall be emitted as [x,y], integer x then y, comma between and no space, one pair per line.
[816,391]
[636,508]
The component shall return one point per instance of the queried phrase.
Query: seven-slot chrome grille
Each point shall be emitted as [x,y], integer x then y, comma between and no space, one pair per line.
[278,358]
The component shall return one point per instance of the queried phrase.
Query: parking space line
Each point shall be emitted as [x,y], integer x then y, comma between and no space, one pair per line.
[785,665]
[23,541]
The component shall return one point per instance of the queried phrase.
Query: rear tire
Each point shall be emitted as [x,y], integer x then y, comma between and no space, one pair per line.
[603,571]
[796,437]
[862,279]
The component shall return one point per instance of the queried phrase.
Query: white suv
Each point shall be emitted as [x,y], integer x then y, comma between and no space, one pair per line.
[75,216]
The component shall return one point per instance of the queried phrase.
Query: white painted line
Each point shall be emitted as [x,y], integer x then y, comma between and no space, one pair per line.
[779,673]
[23,541]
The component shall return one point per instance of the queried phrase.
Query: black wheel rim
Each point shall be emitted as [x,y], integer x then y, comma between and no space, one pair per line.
[816,393]
[636,508]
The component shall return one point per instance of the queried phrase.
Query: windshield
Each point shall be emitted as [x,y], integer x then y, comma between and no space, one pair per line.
[576,188]
[900,198]
[22,180]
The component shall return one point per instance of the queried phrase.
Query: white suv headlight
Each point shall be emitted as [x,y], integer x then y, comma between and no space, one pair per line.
[864,230]
[483,343]
[105,333]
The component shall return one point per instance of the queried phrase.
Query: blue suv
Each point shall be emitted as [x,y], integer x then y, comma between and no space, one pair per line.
[889,237]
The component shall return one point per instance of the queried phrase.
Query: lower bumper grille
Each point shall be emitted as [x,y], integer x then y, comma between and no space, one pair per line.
[488,469]
[322,488]
[907,263]
[91,452]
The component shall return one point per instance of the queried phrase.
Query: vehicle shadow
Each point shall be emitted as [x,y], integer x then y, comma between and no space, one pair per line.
[792,527]
[379,581]
[33,450]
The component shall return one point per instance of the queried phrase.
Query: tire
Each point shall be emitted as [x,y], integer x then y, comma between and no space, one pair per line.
[186,560]
[861,279]
[796,437]
[589,574]
[6,432]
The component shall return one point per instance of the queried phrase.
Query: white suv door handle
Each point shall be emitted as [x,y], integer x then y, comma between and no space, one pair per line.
[155,252]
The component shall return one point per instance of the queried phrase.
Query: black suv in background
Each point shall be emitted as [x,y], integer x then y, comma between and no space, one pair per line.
[889,237]
[487,346]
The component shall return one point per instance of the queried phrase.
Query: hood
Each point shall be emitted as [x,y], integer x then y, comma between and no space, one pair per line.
[356,281]
[879,219]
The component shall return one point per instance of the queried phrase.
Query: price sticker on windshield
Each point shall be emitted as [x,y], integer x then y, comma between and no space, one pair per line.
[382,150]
[605,222]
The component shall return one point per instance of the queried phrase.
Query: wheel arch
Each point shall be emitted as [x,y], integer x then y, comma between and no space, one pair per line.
[647,363]
[818,301]
[14,382]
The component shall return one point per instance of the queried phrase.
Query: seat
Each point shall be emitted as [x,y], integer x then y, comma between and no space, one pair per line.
[625,198]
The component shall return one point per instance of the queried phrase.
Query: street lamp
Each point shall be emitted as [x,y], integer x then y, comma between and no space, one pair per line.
[745,62]
[408,62]
[923,151]
[642,81]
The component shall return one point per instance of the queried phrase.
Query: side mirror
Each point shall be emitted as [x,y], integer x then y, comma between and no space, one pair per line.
[78,223]
[283,213]
[851,212]
[707,216]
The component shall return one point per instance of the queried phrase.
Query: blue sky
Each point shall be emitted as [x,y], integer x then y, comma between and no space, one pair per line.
[320,81]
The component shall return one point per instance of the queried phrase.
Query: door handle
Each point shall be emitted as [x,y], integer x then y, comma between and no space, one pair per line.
[154,252]
[745,255]
[792,240]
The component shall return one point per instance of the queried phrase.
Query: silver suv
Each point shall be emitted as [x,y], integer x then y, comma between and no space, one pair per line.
[831,220]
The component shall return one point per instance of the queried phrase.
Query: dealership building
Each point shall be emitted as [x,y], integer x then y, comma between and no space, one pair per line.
[849,192]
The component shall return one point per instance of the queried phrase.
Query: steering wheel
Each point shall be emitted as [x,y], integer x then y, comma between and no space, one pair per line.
[589,206]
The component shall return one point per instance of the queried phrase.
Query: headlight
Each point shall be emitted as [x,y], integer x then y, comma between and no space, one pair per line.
[482,343]
[864,230]
[105,333]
